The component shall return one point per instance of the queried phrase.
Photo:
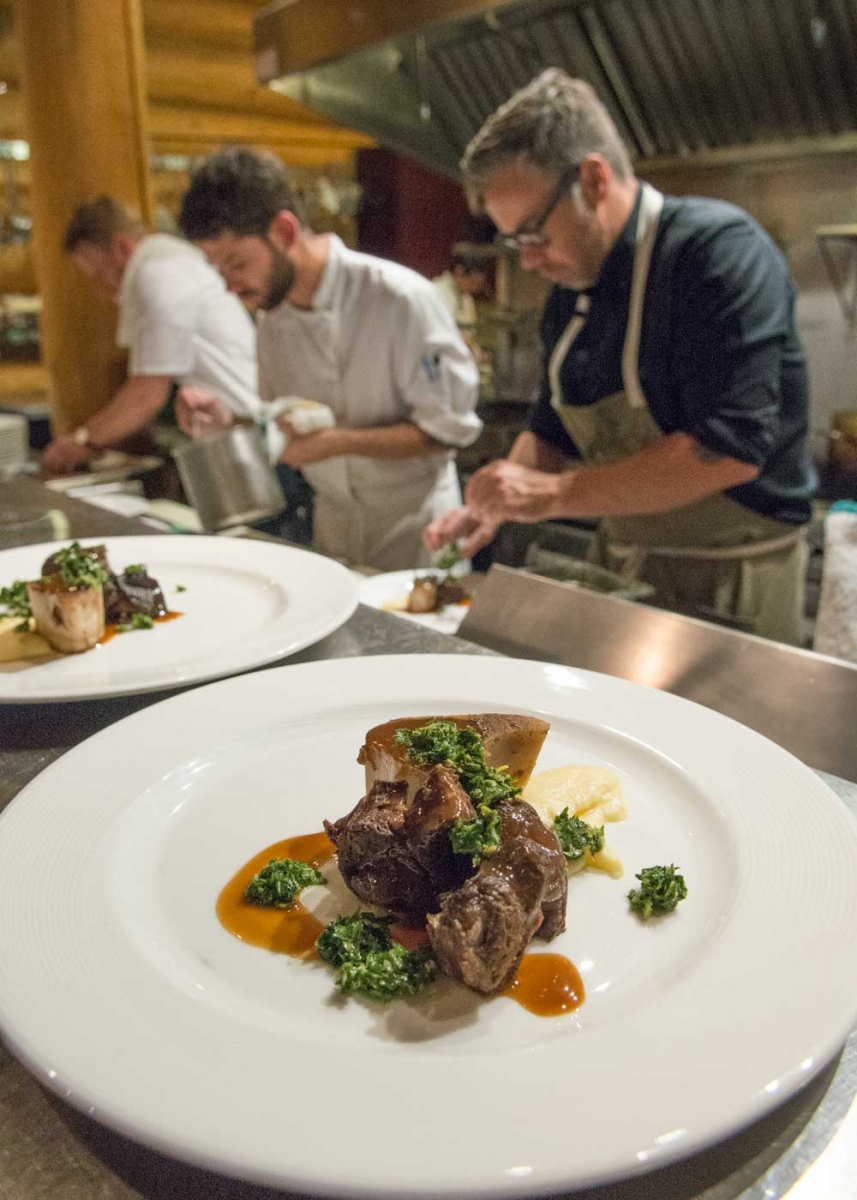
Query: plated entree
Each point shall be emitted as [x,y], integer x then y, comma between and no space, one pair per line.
[79,600]
[433,590]
[463,856]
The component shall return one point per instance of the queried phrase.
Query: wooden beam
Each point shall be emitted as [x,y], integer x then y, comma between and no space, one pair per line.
[176,122]
[306,34]
[224,80]
[315,157]
[207,24]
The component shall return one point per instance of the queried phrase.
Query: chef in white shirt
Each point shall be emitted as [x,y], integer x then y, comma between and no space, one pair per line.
[176,319]
[371,340]
[466,278]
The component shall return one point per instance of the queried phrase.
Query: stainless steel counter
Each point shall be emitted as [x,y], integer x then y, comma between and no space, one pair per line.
[805,1150]
[805,702]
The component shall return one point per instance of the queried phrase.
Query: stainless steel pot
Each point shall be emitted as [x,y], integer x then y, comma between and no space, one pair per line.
[228,478]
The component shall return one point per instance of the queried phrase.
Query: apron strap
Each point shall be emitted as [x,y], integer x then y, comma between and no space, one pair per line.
[713,554]
[651,203]
[561,349]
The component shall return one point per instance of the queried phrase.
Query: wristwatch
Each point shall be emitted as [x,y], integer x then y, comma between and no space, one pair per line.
[81,436]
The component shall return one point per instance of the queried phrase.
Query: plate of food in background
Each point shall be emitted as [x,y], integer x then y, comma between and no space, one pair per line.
[436,596]
[89,619]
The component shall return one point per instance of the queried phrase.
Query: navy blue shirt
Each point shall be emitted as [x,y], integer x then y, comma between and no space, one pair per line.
[719,357]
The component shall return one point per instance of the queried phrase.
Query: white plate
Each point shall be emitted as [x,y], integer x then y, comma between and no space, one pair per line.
[246,603]
[123,993]
[390,592]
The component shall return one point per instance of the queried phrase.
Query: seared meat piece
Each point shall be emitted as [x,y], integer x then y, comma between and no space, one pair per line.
[482,930]
[373,853]
[395,850]
[125,594]
[511,741]
[428,822]
[451,592]
[71,619]
[521,824]
[132,592]
[422,597]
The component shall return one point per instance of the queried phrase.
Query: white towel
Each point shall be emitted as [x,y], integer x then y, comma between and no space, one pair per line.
[836,623]
[304,416]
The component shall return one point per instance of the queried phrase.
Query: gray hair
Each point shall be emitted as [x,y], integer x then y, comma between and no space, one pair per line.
[552,123]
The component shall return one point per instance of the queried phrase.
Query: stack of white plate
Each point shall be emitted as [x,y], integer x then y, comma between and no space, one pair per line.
[14,439]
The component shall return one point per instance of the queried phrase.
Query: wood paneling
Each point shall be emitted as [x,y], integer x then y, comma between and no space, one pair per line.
[200,86]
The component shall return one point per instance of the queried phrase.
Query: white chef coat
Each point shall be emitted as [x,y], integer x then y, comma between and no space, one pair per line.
[177,318]
[462,306]
[379,347]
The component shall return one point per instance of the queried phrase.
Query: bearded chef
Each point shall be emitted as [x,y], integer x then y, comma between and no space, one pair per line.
[371,340]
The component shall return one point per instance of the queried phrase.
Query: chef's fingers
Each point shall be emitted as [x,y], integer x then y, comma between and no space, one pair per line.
[484,533]
[482,487]
[447,528]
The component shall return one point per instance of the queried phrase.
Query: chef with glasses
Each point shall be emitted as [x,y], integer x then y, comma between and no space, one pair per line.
[673,406]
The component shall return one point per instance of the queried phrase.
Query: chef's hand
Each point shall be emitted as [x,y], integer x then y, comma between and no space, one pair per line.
[462,526]
[199,412]
[507,491]
[305,448]
[64,455]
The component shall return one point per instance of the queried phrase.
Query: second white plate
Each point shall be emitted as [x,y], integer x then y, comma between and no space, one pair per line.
[390,592]
[244,603]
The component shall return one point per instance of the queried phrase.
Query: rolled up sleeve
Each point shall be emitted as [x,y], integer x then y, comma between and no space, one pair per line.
[733,316]
[436,375]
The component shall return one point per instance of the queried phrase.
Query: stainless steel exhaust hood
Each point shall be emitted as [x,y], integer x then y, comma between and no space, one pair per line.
[686,80]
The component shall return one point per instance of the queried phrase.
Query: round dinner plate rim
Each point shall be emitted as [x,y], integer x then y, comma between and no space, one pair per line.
[825,1050]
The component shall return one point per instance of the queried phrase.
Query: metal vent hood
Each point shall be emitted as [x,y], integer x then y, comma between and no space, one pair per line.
[687,81]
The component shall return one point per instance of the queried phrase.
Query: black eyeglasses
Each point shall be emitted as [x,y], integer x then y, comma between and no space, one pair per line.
[531,236]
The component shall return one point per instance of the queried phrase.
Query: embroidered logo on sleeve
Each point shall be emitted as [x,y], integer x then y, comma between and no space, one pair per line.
[431,366]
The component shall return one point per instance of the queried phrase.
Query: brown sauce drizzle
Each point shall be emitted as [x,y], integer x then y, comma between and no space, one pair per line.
[110,631]
[291,930]
[547,985]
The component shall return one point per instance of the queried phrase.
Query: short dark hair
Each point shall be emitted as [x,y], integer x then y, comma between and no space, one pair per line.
[470,263]
[98,220]
[553,123]
[237,190]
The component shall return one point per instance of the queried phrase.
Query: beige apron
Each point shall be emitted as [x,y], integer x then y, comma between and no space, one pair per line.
[711,558]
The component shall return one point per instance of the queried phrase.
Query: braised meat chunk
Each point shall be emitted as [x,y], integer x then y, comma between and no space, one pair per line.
[134,591]
[437,806]
[442,832]
[398,855]
[482,930]
[374,857]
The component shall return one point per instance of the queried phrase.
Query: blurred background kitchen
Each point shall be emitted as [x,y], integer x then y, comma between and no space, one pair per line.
[752,101]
